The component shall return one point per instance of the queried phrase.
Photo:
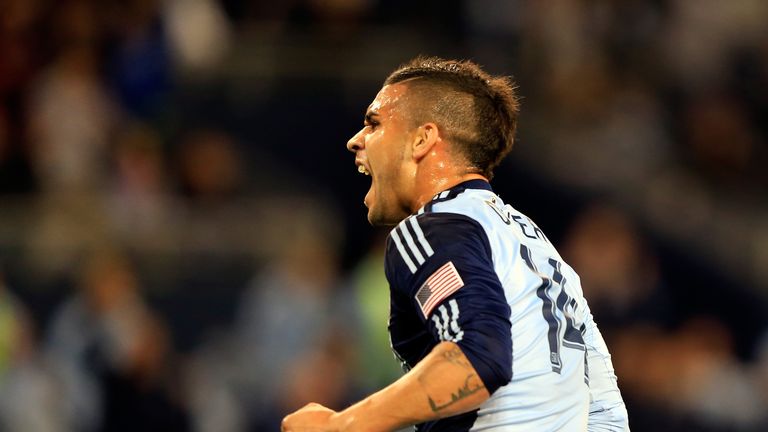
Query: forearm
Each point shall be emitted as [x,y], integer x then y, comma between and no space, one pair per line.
[443,384]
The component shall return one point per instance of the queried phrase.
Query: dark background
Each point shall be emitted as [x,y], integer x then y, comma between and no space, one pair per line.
[183,243]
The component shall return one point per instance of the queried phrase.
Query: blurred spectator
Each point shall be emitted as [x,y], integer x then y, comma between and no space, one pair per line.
[698,39]
[70,112]
[199,33]
[29,396]
[110,352]
[215,405]
[711,120]
[294,309]
[619,274]
[139,202]
[210,167]
[687,374]
[139,63]
[688,379]
[144,393]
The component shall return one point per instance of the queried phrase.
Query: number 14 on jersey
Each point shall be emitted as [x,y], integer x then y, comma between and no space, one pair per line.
[560,312]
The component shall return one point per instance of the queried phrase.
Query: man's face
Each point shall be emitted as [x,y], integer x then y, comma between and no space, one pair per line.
[381,151]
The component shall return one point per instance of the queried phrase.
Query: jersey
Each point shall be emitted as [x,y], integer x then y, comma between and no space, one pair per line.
[469,269]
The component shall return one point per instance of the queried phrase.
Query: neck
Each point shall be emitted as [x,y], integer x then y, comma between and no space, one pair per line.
[429,187]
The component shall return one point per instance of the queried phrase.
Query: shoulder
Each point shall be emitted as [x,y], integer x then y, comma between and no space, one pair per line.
[421,239]
[417,238]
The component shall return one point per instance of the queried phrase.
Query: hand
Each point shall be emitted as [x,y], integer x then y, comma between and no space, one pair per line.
[312,417]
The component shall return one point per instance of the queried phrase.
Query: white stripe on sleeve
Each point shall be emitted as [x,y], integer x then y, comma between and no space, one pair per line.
[420,236]
[402,251]
[409,241]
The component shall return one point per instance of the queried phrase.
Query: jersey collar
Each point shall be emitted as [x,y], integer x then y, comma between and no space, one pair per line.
[453,192]
[461,187]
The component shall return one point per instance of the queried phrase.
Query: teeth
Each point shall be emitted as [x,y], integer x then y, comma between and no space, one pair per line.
[361,169]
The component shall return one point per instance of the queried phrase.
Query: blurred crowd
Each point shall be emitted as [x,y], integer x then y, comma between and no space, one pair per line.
[183,244]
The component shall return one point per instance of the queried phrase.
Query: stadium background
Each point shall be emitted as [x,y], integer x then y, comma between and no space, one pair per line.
[183,244]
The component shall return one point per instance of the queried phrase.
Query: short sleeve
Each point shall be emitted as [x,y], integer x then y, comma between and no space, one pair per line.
[443,264]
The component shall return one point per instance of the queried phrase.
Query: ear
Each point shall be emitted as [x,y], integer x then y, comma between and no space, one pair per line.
[427,135]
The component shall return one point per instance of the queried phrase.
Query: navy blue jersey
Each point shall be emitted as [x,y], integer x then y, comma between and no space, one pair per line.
[471,270]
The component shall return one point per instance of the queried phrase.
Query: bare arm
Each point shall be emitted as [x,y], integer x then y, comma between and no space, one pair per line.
[443,384]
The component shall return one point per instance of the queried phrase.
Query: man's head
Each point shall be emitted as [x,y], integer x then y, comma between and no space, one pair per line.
[434,123]
[476,112]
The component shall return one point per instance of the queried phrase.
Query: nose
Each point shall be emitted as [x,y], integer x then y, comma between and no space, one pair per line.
[356,143]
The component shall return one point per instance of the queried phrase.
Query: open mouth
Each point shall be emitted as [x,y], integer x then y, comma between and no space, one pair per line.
[362,168]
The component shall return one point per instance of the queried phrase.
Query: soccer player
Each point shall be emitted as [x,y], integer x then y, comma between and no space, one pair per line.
[485,315]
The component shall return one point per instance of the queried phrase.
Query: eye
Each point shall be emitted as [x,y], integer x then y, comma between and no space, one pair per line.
[372,124]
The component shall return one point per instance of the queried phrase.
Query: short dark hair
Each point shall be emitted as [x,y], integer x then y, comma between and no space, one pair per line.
[477,112]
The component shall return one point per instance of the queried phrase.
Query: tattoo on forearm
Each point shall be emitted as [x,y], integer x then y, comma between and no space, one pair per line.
[462,393]
[456,356]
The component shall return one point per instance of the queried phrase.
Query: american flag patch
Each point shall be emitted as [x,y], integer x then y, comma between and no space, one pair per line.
[443,282]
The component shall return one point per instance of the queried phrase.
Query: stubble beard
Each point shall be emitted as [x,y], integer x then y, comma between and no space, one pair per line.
[382,215]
